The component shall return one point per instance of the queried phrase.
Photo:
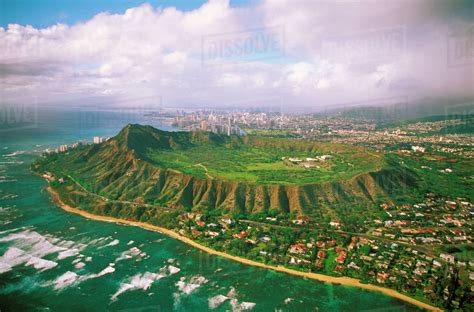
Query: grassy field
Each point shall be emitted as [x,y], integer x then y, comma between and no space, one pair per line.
[262,165]
[457,183]
[270,133]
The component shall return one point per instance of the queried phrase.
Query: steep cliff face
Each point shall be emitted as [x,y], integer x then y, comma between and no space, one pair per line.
[120,169]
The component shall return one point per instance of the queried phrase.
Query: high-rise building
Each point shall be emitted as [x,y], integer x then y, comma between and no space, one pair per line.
[97,140]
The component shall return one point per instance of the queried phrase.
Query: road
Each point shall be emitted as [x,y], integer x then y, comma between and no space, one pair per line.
[419,248]
[205,169]
[113,200]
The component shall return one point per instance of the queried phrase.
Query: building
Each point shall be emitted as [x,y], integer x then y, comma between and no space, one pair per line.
[63,148]
[417,148]
[297,249]
[447,257]
[98,140]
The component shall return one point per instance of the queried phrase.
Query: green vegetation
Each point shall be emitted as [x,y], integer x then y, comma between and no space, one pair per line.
[249,162]
[456,182]
[442,124]
[402,219]
[233,175]
[270,133]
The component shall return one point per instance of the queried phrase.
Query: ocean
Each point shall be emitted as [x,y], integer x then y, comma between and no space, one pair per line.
[52,260]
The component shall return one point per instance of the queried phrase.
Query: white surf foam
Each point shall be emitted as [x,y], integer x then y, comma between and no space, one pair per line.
[112,243]
[194,283]
[9,196]
[107,270]
[65,280]
[173,270]
[243,306]
[14,154]
[216,301]
[41,264]
[68,253]
[29,247]
[133,252]
[12,257]
[79,265]
[69,278]
[138,281]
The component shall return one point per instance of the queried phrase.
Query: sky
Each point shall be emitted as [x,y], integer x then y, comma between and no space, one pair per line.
[44,13]
[284,55]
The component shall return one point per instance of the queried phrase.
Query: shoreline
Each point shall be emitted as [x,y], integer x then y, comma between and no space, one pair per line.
[346,281]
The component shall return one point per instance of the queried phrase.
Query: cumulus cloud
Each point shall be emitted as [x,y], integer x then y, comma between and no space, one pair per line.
[309,54]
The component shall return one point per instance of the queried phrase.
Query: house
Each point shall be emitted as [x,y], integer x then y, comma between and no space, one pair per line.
[250,241]
[325,157]
[320,244]
[447,170]
[297,249]
[451,204]
[63,148]
[341,257]
[338,268]
[195,233]
[354,266]
[310,165]
[319,264]
[212,233]
[295,160]
[353,243]
[321,254]
[384,206]
[265,239]
[447,257]
[381,277]
[417,148]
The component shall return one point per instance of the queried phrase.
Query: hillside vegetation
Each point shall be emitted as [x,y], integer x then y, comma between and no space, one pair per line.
[205,171]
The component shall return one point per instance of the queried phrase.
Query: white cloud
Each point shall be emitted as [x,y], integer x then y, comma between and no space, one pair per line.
[382,51]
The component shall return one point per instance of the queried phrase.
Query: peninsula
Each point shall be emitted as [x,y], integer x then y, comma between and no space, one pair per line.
[294,206]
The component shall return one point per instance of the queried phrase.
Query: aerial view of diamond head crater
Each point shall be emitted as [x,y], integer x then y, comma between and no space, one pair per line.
[263,201]
[237,155]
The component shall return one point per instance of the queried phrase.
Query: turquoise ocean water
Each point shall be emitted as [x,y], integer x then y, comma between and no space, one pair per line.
[51,260]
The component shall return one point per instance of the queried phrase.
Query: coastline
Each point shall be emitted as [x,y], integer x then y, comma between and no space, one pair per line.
[347,281]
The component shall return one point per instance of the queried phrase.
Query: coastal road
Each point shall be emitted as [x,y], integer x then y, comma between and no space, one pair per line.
[422,249]
[113,200]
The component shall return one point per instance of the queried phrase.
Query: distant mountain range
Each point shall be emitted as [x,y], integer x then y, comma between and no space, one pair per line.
[406,110]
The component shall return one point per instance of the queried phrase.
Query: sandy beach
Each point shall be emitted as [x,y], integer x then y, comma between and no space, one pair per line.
[347,281]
